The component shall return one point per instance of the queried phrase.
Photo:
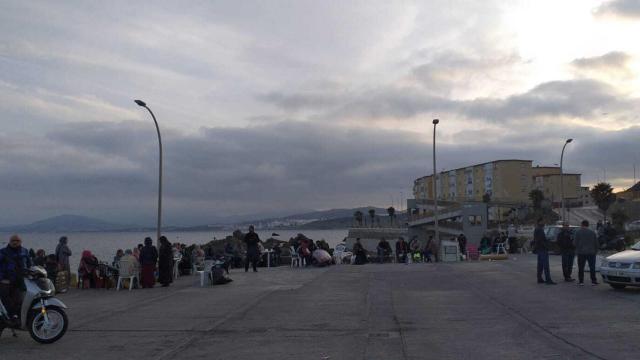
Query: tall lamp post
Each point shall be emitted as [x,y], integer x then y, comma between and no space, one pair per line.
[435,188]
[144,105]
[562,179]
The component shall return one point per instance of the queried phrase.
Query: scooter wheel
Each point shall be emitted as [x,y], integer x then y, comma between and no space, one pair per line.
[48,334]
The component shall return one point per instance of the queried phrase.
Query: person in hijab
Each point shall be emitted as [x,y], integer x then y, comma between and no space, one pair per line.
[62,257]
[165,262]
[148,257]
[87,268]
[40,258]
[136,253]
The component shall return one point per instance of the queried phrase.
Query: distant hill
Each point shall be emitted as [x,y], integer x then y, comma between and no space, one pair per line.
[66,223]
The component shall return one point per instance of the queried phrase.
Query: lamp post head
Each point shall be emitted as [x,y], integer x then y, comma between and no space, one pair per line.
[435,121]
[569,140]
[140,103]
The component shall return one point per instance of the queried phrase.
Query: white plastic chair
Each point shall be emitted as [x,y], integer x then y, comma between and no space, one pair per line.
[295,257]
[127,270]
[500,247]
[198,263]
[176,263]
[206,270]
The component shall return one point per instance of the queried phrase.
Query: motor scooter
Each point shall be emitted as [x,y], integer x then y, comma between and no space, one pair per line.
[41,313]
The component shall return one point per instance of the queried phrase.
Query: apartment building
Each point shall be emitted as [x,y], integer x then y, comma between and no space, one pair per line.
[504,180]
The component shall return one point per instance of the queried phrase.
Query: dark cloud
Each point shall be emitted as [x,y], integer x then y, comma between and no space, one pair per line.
[614,59]
[584,98]
[268,168]
[621,8]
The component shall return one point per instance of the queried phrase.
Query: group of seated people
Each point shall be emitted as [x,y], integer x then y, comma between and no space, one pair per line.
[312,253]
[413,251]
[490,242]
[48,262]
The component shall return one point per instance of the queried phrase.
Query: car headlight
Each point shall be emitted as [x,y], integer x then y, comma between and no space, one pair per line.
[605,263]
[636,266]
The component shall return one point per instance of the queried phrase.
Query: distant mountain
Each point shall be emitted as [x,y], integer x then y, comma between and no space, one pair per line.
[66,223]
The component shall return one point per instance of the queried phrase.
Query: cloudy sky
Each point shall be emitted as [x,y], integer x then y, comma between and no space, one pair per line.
[275,106]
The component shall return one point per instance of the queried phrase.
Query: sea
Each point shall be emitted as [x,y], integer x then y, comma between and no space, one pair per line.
[104,244]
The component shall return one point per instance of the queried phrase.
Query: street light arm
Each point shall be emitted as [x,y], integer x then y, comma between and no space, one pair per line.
[159,225]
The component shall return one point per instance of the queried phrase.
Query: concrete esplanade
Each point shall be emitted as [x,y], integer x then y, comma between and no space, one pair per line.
[464,310]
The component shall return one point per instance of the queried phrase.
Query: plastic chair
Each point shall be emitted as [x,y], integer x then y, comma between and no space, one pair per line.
[500,247]
[127,270]
[206,270]
[198,263]
[295,257]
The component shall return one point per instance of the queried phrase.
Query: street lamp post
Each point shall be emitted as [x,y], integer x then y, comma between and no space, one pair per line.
[562,179]
[435,188]
[158,229]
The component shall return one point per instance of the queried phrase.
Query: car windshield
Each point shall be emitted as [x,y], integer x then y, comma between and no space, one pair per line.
[636,246]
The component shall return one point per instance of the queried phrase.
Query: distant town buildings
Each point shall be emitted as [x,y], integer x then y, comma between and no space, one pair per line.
[506,181]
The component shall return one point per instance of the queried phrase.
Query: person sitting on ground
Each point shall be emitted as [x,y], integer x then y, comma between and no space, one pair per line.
[384,250]
[87,269]
[116,259]
[40,258]
[485,243]
[360,253]
[402,248]
[414,247]
[305,251]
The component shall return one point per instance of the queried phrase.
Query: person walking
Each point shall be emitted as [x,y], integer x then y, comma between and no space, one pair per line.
[62,256]
[148,260]
[586,244]
[567,251]
[165,262]
[541,246]
[251,239]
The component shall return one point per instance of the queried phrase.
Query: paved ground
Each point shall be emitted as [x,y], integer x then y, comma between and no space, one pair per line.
[476,310]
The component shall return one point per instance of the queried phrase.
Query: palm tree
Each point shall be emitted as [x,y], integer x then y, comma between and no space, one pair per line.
[358,217]
[603,196]
[372,214]
[536,196]
[392,214]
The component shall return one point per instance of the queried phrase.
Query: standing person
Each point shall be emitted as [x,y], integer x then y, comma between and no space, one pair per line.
[62,256]
[462,244]
[567,251]
[13,260]
[148,260]
[165,262]
[586,244]
[541,245]
[252,240]
[427,250]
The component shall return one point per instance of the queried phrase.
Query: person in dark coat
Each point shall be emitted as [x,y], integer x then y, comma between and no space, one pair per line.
[360,253]
[252,240]
[541,246]
[567,251]
[402,248]
[14,259]
[148,262]
[165,262]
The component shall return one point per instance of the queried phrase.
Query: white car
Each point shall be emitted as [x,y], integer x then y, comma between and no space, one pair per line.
[622,269]
[633,226]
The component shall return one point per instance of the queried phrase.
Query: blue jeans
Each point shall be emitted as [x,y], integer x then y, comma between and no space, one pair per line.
[543,264]
[591,259]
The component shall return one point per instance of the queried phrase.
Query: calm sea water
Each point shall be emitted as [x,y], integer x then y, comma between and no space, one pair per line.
[104,244]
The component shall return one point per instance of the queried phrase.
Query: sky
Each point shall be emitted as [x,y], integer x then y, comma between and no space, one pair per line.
[277,106]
